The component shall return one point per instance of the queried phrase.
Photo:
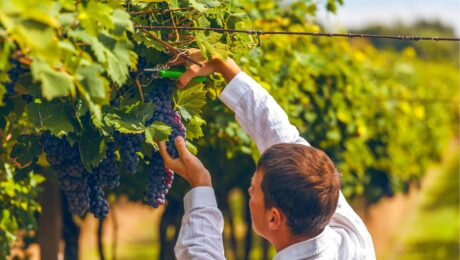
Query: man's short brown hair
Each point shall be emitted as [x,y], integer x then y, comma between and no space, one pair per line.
[303,183]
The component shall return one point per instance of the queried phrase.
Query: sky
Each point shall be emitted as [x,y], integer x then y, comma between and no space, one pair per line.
[358,13]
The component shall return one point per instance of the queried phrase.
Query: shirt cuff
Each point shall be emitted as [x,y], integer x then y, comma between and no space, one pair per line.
[199,197]
[236,89]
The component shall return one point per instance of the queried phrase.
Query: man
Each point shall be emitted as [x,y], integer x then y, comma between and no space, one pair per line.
[295,199]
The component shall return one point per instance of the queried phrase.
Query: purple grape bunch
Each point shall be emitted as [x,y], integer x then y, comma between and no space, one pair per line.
[159,179]
[83,190]
[105,175]
[130,145]
[164,113]
[73,177]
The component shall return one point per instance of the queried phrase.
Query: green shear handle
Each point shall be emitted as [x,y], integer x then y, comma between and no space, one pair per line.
[176,73]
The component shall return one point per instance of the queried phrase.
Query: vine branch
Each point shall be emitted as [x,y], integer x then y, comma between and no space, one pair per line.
[172,49]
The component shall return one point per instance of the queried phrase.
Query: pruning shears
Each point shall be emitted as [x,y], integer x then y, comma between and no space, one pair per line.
[163,71]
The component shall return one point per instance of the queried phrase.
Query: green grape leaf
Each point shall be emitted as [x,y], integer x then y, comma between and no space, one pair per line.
[122,22]
[192,148]
[197,6]
[203,5]
[124,123]
[131,120]
[34,35]
[54,83]
[157,132]
[194,129]
[36,179]
[57,116]
[172,3]
[92,145]
[5,53]
[119,61]
[190,101]
[95,85]
[2,94]
[94,15]
[26,150]
[96,46]
[184,113]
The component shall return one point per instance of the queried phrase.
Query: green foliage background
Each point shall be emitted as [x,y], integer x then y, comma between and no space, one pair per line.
[382,116]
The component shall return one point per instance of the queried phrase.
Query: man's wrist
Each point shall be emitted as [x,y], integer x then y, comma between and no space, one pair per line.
[202,179]
[227,68]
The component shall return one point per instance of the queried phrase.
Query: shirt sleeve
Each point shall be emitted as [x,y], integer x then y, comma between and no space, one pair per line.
[346,222]
[258,113]
[200,236]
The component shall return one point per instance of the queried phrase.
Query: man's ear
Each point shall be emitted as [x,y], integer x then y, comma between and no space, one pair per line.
[276,218]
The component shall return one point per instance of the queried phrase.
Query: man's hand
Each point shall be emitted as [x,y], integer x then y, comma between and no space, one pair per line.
[228,68]
[187,165]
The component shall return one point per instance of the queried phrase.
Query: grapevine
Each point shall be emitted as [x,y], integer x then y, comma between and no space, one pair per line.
[85,190]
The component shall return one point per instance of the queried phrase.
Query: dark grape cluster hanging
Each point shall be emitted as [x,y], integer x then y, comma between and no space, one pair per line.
[159,178]
[85,190]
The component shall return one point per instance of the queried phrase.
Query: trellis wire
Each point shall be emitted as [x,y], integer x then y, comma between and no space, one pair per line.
[318,34]
[154,11]
[349,35]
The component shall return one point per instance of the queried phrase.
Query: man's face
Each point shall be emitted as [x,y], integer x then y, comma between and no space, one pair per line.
[256,205]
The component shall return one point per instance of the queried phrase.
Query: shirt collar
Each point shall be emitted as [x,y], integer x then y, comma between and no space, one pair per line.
[308,248]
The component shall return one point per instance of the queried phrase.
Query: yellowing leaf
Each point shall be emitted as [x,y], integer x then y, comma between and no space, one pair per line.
[194,127]
[54,83]
[157,132]
[192,148]
[190,101]
[96,85]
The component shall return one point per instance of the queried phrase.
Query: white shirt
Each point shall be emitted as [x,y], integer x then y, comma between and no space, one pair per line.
[200,237]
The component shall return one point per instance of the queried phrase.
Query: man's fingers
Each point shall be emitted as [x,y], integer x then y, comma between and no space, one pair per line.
[196,54]
[188,75]
[170,163]
[175,165]
[164,153]
[181,147]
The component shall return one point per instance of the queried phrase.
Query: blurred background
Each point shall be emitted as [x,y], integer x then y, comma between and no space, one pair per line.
[386,111]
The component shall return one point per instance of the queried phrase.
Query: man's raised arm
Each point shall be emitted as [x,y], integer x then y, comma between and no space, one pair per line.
[255,110]
[258,113]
